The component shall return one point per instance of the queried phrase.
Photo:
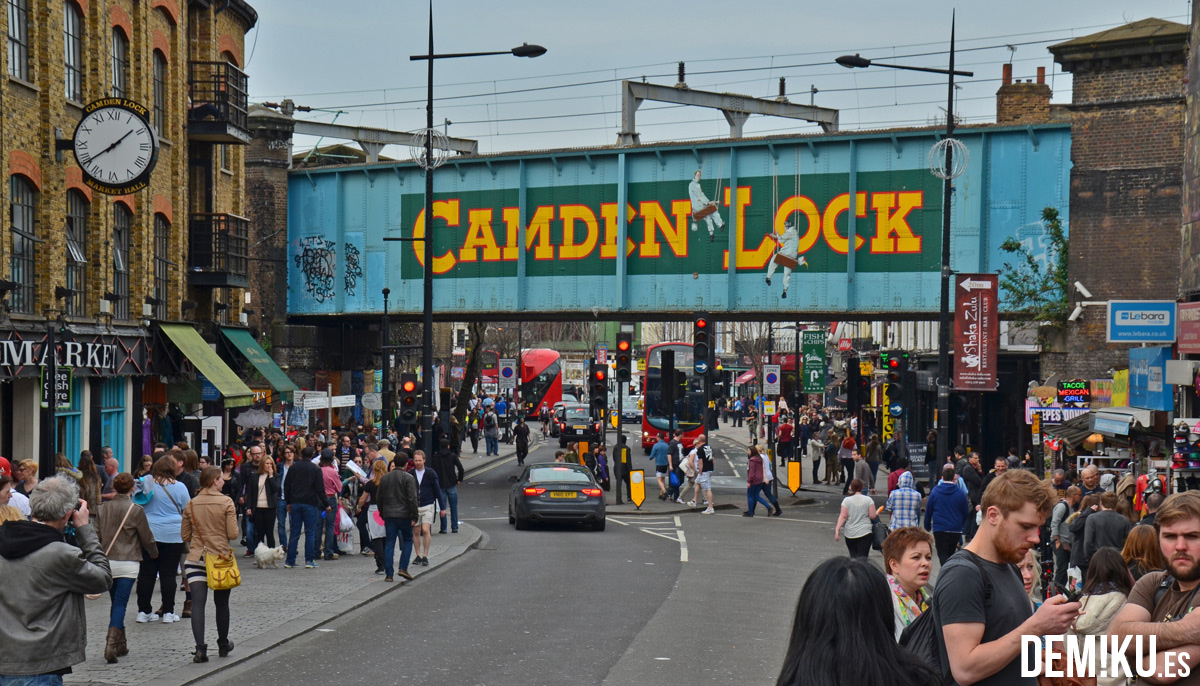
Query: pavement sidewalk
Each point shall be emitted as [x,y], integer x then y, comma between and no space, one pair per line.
[271,607]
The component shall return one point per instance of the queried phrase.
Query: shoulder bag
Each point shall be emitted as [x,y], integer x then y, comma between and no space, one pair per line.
[108,548]
[221,571]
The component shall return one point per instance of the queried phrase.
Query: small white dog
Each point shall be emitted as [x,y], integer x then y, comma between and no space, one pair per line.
[264,556]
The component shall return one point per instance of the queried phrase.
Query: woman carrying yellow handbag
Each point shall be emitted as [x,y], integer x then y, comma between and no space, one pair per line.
[209,524]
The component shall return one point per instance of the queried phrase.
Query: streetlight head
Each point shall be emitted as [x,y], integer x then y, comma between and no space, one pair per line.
[527,50]
[852,61]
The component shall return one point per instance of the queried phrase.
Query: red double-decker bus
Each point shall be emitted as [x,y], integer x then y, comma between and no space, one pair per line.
[542,379]
[688,411]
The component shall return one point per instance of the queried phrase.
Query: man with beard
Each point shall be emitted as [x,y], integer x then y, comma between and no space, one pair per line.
[1161,603]
[980,602]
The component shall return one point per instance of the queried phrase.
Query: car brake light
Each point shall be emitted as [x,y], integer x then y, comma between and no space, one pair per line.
[592,491]
[530,490]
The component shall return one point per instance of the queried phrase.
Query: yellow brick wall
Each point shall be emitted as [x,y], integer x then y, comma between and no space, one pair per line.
[31,112]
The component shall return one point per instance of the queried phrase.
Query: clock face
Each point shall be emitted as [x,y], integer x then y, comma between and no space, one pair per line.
[116,148]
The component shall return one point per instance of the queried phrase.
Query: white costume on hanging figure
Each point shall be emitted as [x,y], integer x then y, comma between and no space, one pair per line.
[701,202]
[786,254]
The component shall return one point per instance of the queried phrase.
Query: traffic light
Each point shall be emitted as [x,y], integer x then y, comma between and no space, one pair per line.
[864,391]
[896,365]
[701,347]
[598,386]
[853,382]
[624,357]
[410,399]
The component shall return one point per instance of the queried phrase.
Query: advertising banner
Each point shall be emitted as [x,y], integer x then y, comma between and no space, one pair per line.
[1141,321]
[1148,388]
[812,347]
[976,332]
[1189,328]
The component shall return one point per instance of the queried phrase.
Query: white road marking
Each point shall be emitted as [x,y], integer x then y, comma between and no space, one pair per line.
[670,528]
[730,461]
[493,466]
[782,519]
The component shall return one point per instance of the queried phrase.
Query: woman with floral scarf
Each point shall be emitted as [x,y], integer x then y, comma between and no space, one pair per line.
[908,558]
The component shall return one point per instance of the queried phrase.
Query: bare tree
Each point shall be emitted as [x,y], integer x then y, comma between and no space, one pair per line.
[470,374]
[750,341]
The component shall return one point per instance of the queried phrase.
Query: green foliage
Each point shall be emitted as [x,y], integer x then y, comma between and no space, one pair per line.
[1035,292]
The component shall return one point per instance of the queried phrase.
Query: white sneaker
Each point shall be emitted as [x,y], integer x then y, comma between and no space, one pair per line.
[169,617]
[144,617]
[691,503]
[709,511]
[679,500]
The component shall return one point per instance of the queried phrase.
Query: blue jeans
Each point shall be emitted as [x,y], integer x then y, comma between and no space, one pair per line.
[33,680]
[394,527]
[330,526]
[493,445]
[281,521]
[754,496]
[306,517]
[119,594]
[450,494]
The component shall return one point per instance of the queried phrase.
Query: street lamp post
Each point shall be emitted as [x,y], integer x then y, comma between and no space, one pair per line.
[385,362]
[947,173]
[524,50]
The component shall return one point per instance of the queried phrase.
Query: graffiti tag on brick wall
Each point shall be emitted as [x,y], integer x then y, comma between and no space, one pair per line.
[316,262]
[353,268]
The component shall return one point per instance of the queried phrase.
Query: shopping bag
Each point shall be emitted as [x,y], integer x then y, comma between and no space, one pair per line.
[375,526]
[344,521]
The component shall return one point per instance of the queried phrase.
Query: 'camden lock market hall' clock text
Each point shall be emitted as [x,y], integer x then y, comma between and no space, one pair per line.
[116,146]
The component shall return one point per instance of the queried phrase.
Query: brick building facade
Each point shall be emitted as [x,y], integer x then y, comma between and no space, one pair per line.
[126,261]
[1127,124]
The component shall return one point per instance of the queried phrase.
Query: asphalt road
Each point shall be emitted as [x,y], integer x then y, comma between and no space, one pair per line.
[560,604]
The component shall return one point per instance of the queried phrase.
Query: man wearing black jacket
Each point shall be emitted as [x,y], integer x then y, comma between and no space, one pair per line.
[304,492]
[450,473]
[972,473]
[429,495]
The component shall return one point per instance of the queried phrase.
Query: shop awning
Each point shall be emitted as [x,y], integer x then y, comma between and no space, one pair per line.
[1073,431]
[253,352]
[234,392]
[745,378]
[1119,421]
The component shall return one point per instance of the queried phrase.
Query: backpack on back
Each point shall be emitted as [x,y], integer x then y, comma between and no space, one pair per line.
[924,636]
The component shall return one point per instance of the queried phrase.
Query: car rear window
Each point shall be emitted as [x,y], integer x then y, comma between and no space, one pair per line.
[577,414]
[558,474]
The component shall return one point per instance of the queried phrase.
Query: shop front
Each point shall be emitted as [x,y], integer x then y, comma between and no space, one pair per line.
[98,372]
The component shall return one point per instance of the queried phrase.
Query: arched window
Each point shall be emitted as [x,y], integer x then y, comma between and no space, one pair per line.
[120,63]
[73,50]
[23,223]
[162,244]
[160,93]
[122,225]
[18,39]
[77,214]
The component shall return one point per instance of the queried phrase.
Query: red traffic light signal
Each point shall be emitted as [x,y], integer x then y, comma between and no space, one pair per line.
[701,323]
[623,346]
[599,375]
[408,386]
[894,362]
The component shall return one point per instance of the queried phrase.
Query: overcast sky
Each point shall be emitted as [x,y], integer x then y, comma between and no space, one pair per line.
[351,60]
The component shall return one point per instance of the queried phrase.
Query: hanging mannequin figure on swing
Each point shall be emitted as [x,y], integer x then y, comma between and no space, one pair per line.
[787,254]
[703,208]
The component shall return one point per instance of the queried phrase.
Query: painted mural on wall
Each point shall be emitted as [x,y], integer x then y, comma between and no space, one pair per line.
[824,225]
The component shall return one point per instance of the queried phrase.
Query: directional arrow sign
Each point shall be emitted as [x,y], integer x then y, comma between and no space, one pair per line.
[895,409]
[701,367]
[972,284]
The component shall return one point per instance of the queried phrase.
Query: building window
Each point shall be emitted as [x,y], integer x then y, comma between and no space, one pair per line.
[225,157]
[23,226]
[77,212]
[18,39]
[73,50]
[162,243]
[160,93]
[122,225]
[112,419]
[120,63]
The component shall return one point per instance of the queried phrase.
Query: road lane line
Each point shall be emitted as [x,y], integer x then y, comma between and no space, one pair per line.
[731,467]
[683,551]
[492,466]
[782,519]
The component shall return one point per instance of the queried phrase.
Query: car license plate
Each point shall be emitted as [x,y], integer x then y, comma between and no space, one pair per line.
[562,494]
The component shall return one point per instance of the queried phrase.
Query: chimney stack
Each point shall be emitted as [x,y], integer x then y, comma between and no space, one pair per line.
[1020,102]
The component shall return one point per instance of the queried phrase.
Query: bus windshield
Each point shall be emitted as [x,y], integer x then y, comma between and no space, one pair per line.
[688,410]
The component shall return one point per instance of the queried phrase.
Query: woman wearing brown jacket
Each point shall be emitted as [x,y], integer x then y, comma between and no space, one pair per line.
[124,532]
[209,524]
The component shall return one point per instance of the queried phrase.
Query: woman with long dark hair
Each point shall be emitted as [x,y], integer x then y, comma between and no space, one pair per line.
[1142,553]
[90,483]
[845,614]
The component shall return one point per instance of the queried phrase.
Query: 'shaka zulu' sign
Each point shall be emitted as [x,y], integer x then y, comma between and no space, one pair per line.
[976,332]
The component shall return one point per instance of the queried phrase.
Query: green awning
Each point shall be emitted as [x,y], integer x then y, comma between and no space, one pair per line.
[232,389]
[252,351]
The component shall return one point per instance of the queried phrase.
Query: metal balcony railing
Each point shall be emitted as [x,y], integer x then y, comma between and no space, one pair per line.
[219,246]
[219,103]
